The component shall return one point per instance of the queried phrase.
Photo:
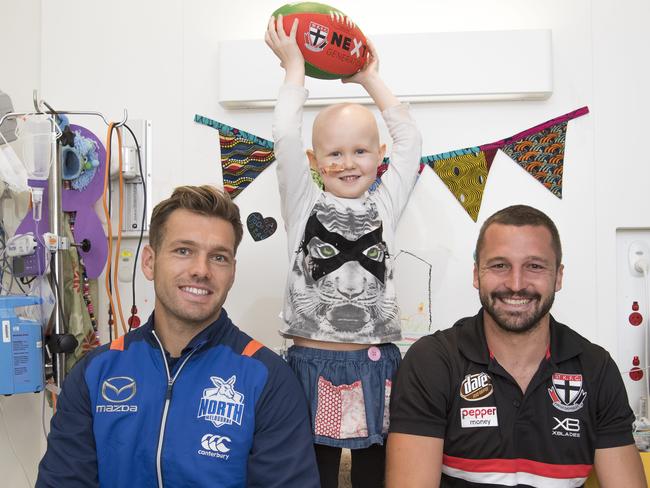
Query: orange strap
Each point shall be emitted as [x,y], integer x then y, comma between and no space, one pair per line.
[251,348]
[118,344]
[109,229]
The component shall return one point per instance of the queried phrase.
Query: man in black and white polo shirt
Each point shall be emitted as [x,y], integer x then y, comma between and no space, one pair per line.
[510,397]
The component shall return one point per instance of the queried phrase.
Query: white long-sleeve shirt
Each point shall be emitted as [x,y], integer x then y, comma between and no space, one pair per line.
[340,282]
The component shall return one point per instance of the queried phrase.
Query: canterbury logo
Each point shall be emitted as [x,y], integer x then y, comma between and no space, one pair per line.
[118,389]
[216,443]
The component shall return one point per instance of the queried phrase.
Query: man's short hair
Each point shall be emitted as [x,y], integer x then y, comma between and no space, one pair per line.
[520,215]
[204,200]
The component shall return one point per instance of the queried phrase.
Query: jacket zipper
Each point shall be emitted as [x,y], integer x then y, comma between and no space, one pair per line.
[168,397]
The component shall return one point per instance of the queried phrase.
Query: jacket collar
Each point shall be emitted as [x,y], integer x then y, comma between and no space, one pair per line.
[213,333]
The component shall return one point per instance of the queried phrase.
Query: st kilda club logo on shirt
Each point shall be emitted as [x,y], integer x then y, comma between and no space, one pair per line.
[476,387]
[567,392]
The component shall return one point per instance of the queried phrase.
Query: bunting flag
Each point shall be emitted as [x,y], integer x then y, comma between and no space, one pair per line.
[542,156]
[538,150]
[464,172]
[243,156]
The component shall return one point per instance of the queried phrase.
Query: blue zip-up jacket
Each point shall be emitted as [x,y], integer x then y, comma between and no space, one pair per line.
[228,413]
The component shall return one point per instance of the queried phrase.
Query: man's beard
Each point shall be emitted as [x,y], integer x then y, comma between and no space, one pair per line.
[521,322]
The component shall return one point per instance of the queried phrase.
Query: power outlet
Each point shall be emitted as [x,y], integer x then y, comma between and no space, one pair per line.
[639,256]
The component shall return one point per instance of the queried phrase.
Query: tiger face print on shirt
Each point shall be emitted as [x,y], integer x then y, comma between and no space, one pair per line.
[340,274]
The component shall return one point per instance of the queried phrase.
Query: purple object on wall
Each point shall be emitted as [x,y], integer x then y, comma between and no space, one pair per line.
[87,224]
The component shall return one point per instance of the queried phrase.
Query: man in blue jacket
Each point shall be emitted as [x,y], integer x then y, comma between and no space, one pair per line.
[187,399]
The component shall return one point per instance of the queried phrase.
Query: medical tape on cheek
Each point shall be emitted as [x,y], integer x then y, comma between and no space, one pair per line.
[332,168]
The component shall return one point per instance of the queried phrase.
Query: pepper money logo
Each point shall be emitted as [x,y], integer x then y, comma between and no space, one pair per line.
[223,404]
[117,391]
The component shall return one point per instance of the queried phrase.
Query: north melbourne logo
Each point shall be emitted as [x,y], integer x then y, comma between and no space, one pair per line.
[567,392]
[223,404]
[316,37]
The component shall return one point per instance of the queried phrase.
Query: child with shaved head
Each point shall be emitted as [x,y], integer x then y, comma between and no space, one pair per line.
[340,308]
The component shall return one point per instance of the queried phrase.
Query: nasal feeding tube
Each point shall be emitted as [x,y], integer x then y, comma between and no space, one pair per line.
[38,140]
[333,168]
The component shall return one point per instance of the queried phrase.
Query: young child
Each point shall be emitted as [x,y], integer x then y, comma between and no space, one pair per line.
[340,308]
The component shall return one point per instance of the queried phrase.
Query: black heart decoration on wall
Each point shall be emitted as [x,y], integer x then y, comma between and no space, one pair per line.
[260,227]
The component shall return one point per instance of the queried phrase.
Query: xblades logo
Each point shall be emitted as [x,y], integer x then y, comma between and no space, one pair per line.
[567,427]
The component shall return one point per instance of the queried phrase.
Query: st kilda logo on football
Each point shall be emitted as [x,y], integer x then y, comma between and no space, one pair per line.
[476,387]
[317,39]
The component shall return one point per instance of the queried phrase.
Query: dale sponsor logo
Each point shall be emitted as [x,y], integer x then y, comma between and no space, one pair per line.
[222,404]
[479,417]
[567,392]
[476,387]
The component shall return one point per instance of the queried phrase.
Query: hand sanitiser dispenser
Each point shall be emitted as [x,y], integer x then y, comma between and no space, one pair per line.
[21,348]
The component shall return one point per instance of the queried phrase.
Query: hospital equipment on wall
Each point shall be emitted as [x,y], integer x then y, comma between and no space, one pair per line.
[36,252]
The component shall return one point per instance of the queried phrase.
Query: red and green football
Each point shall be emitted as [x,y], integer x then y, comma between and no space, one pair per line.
[332,45]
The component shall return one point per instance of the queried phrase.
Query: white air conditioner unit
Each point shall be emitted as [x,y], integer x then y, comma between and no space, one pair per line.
[426,67]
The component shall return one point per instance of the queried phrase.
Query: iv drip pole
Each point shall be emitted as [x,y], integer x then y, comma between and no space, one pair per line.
[56,222]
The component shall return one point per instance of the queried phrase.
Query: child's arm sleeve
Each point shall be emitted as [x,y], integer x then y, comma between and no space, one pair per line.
[399,179]
[294,178]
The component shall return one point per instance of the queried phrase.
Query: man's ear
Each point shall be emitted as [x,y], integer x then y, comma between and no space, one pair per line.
[147,262]
[234,273]
[558,278]
[313,162]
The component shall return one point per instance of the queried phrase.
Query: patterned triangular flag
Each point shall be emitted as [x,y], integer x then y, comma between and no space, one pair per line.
[542,156]
[540,150]
[243,156]
[464,172]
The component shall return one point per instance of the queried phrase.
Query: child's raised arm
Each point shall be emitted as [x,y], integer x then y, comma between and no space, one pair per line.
[286,49]
[368,77]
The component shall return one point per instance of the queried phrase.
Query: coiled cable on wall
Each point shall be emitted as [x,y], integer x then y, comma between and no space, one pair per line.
[134,308]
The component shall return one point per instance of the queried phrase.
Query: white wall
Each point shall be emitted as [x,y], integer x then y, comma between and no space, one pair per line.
[20,41]
[159,59]
[21,436]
